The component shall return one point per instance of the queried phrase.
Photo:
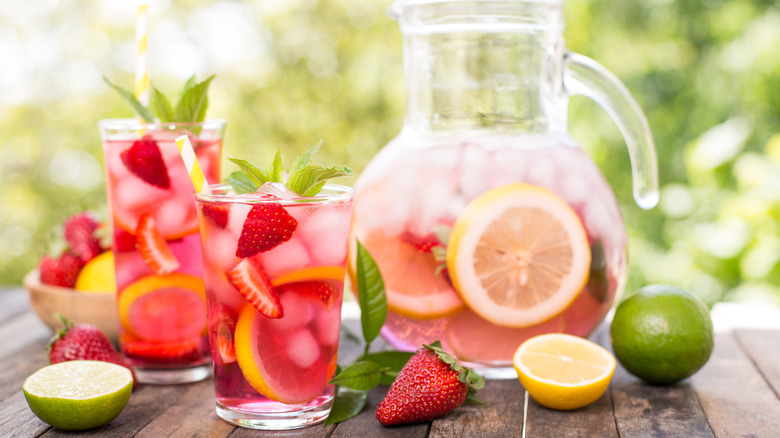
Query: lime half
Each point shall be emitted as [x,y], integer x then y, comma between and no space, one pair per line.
[79,394]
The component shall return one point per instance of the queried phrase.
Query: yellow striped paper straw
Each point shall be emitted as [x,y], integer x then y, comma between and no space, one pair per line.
[192,165]
[141,67]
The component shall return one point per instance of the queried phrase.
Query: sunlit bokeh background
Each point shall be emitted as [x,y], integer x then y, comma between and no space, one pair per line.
[292,72]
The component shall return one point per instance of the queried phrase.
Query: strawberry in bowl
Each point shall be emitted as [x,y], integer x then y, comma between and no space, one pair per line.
[77,280]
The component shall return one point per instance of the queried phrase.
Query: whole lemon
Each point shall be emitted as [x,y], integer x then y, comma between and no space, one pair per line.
[662,334]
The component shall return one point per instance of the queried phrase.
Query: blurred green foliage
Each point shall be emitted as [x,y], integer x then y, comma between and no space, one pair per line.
[706,74]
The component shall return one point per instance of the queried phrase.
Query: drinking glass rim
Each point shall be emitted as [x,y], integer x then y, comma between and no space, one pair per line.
[137,124]
[341,193]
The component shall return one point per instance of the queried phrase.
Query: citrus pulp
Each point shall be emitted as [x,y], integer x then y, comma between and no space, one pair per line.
[79,394]
[518,255]
[562,371]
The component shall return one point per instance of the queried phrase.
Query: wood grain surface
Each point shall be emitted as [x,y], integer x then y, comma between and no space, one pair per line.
[737,394]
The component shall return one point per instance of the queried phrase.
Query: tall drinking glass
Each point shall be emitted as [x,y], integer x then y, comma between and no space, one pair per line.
[156,245]
[274,303]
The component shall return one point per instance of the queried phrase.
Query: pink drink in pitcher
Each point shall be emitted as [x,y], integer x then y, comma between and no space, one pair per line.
[274,270]
[454,172]
[156,245]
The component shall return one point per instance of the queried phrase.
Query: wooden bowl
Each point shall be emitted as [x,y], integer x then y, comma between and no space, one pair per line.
[98,309]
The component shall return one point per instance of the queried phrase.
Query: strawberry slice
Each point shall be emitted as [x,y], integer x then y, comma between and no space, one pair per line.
[266,227]
[144,160]
[153,247]
[164,352]
[217,213]
[224,325]
[256,287]
[325,291]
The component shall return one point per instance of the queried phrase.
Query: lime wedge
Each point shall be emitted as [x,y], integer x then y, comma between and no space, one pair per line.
[79,394]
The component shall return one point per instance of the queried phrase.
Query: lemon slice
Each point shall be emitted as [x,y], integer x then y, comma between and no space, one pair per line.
[562,371]
[79,394]
[164,308]
[312,273]
[97,276]
[518,255]
[266,351]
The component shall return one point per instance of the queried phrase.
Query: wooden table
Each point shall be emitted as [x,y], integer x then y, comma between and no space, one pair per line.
[736,394]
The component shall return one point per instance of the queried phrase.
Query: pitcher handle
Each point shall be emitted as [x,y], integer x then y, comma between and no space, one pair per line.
[584,76]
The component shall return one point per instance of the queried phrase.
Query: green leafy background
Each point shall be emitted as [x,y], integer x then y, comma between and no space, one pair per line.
[289,73]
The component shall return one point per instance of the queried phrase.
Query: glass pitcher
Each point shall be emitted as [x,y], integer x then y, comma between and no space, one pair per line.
[488,222]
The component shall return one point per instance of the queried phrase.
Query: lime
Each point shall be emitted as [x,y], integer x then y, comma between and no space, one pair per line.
[662,334]
[79,394]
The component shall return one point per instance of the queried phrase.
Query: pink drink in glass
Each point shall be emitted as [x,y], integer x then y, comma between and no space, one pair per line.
[274,308]
[156,245]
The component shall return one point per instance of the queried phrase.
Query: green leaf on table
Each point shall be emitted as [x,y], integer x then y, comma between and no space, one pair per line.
[363,375]
[139,109]
[304,160]
[254,173]
[347,404]
[371,294]
[391,361]
[309,180]
[161,106]
[277,171]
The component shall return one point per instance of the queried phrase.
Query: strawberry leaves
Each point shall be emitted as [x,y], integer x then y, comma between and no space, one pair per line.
[304,178]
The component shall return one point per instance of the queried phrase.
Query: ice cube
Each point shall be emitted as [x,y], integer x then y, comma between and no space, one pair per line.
[277,189]
[302,348]
[288,256]
[297,312]
[542,172]
[325,234]
[237,217]
[220,248]
[328,326]
[573,188]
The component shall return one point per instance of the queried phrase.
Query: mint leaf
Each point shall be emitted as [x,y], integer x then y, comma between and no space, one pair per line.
[277,171]
[347,404]
[391,361]
[161,106]
[187,85]
[256,174]
[139,109]
[304,160]
[241,183]
[363,375]
[193,102]
[309,180]
[371,295]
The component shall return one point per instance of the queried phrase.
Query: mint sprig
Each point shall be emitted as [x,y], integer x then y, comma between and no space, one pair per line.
[190,107]
[305,179]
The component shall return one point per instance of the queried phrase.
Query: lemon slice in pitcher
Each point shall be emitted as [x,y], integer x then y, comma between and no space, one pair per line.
[518,255]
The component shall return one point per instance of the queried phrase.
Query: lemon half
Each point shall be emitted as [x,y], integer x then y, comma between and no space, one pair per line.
[562,371]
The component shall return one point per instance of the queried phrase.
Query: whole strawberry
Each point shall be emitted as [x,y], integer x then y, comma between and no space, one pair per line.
[83,342]
[429,386]
[79,231]
[60,271]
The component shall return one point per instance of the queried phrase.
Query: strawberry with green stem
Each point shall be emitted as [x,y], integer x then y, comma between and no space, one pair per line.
[429,386]
[414,395]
